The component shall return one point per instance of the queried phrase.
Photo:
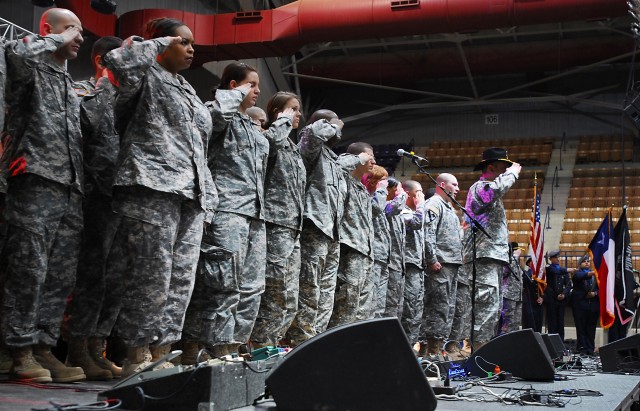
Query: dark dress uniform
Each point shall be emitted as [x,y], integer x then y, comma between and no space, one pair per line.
[558,282]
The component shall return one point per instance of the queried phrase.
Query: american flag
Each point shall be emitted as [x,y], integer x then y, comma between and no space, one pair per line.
[536,242]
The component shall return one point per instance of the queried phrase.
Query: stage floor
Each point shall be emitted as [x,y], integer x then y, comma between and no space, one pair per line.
[619,393]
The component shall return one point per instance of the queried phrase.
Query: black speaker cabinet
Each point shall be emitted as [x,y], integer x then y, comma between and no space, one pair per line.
[221,386]
[621,355]
[522,353]
[555,345]
[368,365]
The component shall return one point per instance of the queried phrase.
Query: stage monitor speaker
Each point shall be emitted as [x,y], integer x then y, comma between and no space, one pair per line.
[621,355]
[522,353]
[368,365]
[220,386]
[555,345]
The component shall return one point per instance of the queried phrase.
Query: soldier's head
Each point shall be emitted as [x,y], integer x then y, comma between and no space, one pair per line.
[258,117]
[372,178]
[56,21]
[359,148]
[177,56]
[447,182]
[414,192]
[324,114]
[237,74]
[554,256]
[101,47]
[279,102]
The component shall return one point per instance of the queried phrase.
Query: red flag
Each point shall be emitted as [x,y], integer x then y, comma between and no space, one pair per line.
[536,246]
[603,258]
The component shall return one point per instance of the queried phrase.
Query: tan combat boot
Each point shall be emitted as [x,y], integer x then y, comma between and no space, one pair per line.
[137,359]
[190,350]
[454,351]
[59,372]
[96,352]
[5,360]
[157,352]
[466,348]
[435,346]
[78,356]
[26,368]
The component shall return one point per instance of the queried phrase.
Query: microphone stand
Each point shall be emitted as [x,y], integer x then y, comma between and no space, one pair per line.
[475,227]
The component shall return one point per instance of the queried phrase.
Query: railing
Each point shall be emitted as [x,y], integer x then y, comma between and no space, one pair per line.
[10,31]
[570,258]
[563,146]
[554,184]
[547,219]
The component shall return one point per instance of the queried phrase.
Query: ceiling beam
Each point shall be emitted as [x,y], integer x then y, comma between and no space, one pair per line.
[377,86]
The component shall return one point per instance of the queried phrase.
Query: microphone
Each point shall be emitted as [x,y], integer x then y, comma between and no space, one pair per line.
[412,156]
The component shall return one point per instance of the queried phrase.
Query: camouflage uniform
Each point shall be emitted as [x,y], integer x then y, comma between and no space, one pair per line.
[442,243]
[231,279]
[84,88]
[354,287]
[398,232]
[42,155]
[100,149]
[163,191]
[511,317]
[484,203]
[3,177]
[461,323]
[319,245]
[381,252]
[284,205]
[413,303]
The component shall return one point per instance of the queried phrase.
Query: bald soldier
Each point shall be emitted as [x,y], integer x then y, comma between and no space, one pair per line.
[42,158]
[443,257]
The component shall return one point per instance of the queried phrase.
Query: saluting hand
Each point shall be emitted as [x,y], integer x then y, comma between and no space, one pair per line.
[244,88]
[337,122]
[71,34]
[515,168]
[287,112]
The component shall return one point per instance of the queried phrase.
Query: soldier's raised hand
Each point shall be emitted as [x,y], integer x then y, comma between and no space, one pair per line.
[337,122]
[71,34]
[287,112]
[515,168]
[244,88]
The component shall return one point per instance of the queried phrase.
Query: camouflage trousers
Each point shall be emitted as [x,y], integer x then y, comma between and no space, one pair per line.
[354,288]
[413,304]
[488,298]
[511,316]
[461,323]
[395,294]
[381,281]
[439,291]
[95,305]
[279,302]
[156,244]
[3,227]
[318,274]
[230,281]
[44,226]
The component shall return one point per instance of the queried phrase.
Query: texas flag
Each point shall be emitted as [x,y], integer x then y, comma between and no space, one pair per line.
[603,256]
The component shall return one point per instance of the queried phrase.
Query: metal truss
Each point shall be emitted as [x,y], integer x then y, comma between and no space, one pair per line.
[10,31]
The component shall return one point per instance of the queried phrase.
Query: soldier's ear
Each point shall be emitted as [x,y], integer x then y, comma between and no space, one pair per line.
[46,29]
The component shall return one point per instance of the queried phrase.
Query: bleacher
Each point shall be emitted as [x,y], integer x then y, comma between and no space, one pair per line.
[466,153]
[593,192]
[603,149]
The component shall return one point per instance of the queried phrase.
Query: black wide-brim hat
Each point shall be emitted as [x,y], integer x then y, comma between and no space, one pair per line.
[491,155]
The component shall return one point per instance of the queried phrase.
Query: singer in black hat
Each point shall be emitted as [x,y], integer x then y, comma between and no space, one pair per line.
[484,204]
